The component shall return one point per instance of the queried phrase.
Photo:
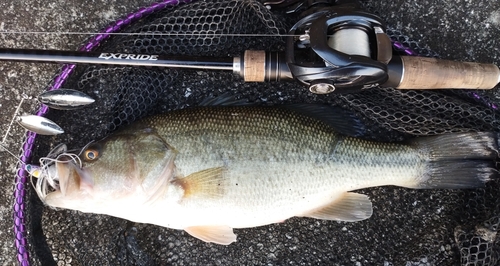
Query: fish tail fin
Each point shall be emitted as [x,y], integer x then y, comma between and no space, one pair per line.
[457,160]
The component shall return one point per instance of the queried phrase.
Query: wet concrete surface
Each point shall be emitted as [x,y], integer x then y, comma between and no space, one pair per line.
[458,30]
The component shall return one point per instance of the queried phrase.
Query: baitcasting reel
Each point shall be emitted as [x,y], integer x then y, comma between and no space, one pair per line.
[332,48]
[339,48]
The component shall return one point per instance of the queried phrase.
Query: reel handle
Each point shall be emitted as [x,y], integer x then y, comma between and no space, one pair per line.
[412,72]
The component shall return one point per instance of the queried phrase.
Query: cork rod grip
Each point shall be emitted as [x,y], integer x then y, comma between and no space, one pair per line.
[432,73]
[254,68]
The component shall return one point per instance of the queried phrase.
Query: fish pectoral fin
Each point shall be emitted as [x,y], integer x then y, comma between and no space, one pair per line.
[209,183]
[219,234]
[352,207]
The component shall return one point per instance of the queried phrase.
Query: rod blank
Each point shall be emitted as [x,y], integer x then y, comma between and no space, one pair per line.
[405,72]
[76,57]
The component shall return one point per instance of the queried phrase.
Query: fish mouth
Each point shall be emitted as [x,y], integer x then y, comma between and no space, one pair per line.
[63,175]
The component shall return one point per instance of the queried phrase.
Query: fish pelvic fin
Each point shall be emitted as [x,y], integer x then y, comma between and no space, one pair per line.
[351,207]
[208,183]
[457,160]
[221,234]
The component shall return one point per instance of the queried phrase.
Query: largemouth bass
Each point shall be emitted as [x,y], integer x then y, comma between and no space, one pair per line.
[208,170]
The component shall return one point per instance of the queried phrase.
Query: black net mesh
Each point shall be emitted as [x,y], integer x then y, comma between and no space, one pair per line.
[408,227]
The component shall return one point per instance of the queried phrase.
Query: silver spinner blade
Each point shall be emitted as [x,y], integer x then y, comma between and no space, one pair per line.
[65,99]
[39,125]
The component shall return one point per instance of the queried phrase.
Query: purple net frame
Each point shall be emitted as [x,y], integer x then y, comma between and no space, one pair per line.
[21,180]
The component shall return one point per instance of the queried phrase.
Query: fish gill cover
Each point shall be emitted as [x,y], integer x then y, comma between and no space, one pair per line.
[432,227]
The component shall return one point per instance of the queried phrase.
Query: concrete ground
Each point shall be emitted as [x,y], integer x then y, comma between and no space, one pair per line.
[19,79]
[459,30]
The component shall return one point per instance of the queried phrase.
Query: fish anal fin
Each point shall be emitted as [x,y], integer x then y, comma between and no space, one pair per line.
[352,207]
[208,183]
[219,234]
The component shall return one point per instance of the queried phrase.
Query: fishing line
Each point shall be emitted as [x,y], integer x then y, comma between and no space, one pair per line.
[24,96]
[33,170]
[3,145]
[4,148]
[46,176]
[146,33]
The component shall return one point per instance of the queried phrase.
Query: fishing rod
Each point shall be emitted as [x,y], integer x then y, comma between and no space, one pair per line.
[334,47]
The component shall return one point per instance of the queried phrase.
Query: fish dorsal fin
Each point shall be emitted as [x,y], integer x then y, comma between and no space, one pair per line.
[219,234]
[343,121]
[208,183]
[225,99]
[352,207]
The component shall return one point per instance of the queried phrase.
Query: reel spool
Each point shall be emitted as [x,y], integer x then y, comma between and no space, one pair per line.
[339,49]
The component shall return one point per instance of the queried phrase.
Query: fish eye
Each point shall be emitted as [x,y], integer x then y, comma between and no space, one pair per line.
[91,154]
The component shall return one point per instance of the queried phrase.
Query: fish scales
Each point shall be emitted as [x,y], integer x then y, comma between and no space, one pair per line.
[207,170]
[276,159]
